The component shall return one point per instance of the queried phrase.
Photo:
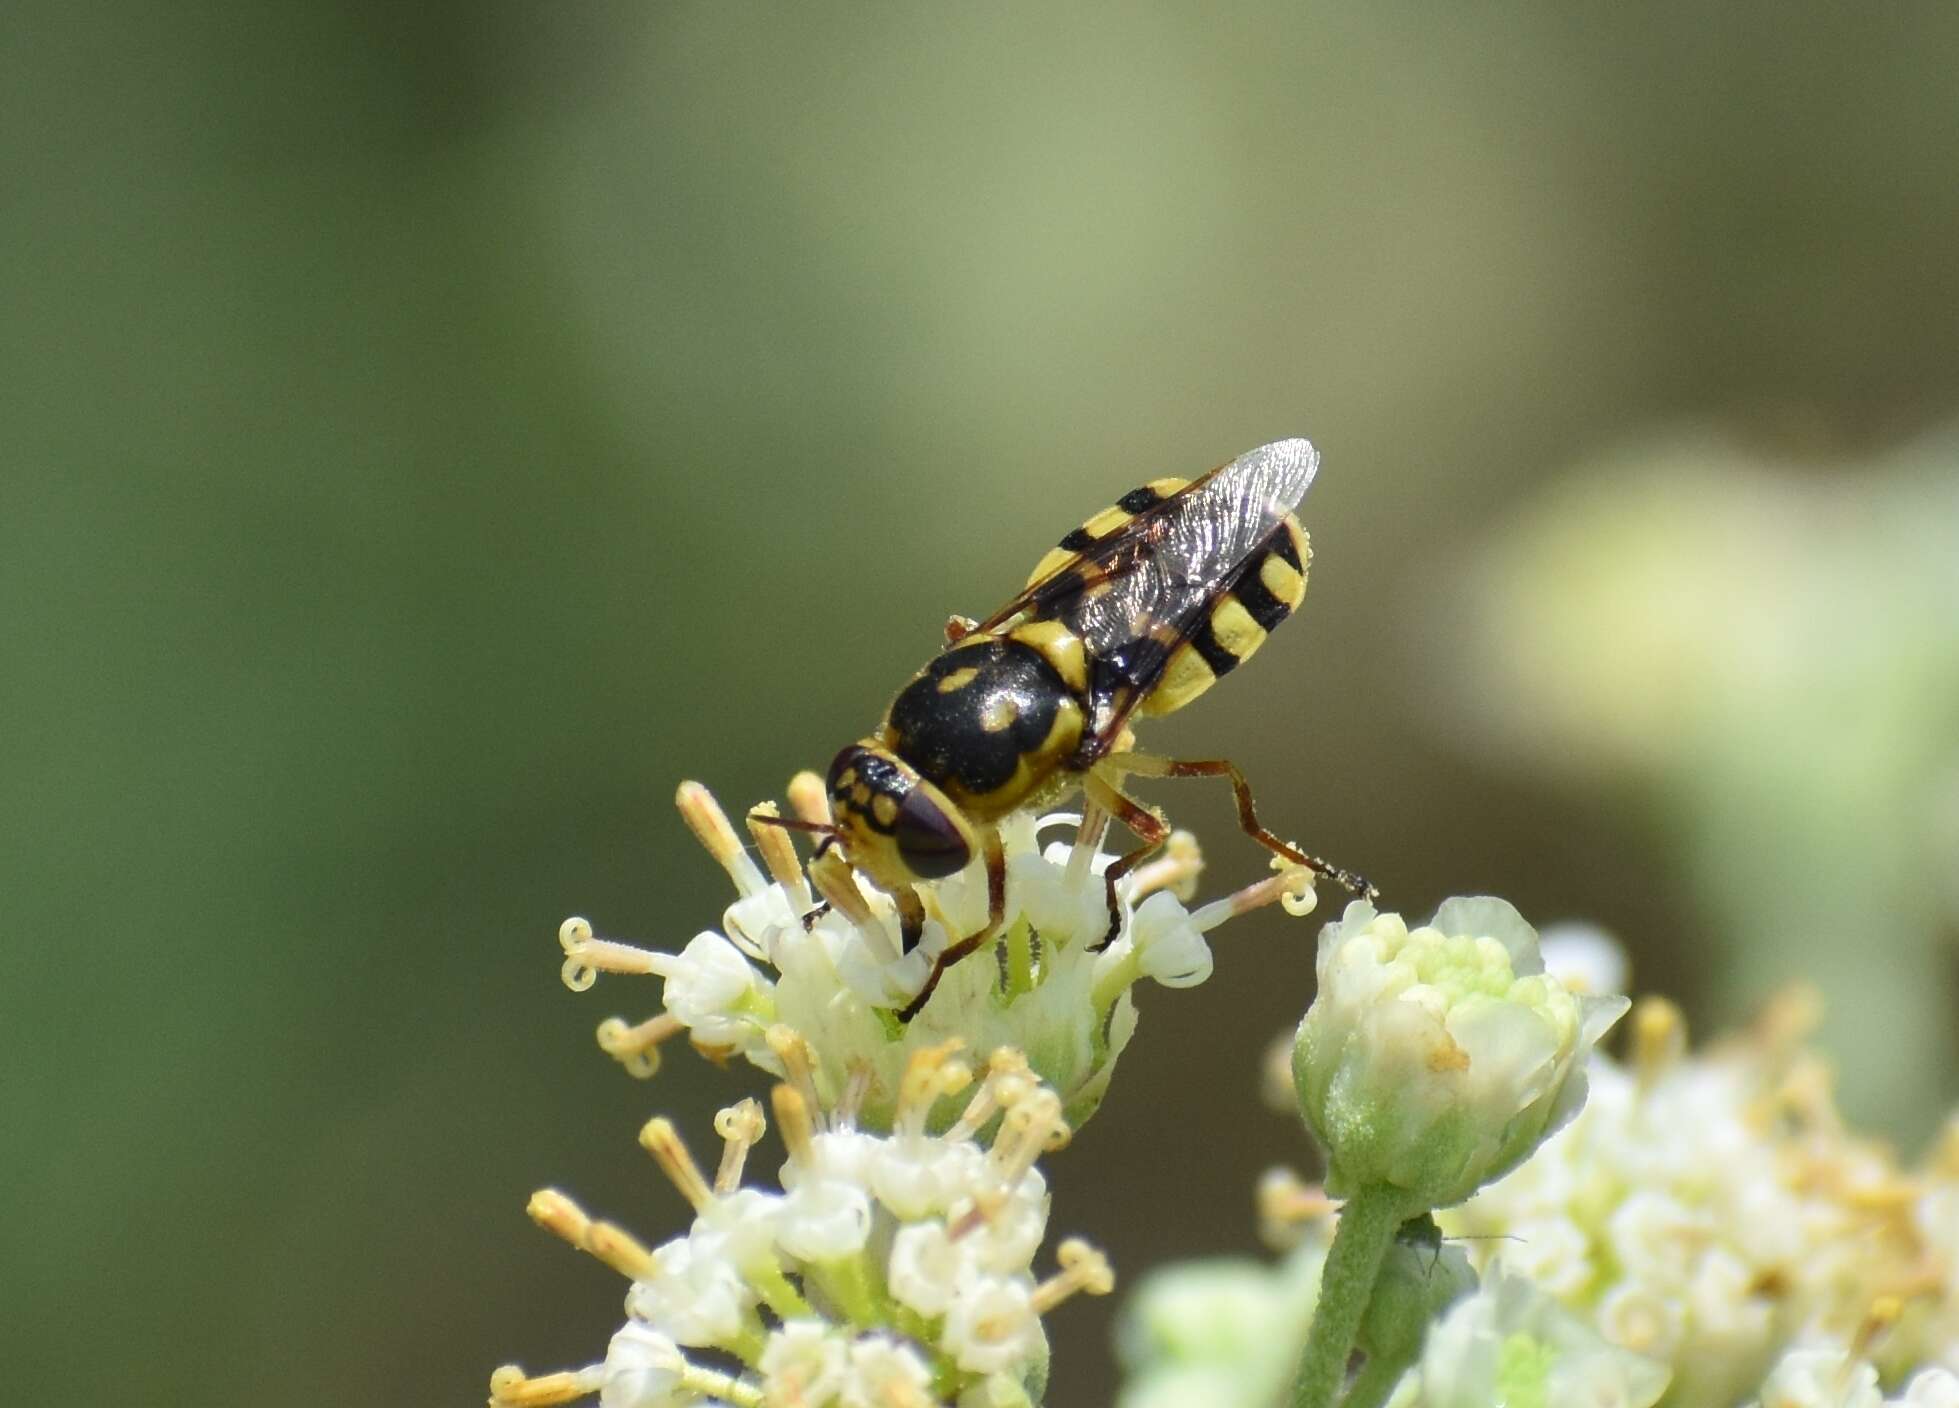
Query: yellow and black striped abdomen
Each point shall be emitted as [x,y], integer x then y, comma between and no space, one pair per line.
[1103,524]
[1246,609]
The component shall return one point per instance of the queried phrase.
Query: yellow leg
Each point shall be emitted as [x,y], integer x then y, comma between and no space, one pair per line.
[996,917]
[1148,765]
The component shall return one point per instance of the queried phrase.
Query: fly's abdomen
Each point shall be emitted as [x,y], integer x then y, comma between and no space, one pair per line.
[1263,593]
[988,721]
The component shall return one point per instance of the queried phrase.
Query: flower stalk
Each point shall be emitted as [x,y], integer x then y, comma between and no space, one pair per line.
[1368,1221]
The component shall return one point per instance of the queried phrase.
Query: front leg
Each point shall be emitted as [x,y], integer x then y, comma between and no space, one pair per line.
[1100,786]
[996,918]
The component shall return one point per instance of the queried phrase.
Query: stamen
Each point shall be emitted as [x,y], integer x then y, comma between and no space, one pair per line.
[1294,884]
[587,957]
[810,799]
[662,1141]
[1659,1038]
[1084,1270]
[741,1125]
[930,1073]
[1088,841]
[637,1048]
[856,1090]
[611,1244]
[1287,1201]
[1176,870]
[798,1065]
[509,1388]
[779,854]
[711,828]
[834,881]
[1884,1313]
[1791,1018]
[1008,1079]
[1028,1129]
[793,1123]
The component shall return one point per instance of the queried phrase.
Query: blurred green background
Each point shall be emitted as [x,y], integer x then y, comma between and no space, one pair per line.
[431,431]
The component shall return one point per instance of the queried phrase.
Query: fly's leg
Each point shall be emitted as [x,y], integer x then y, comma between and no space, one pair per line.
[1147,765]
[1149,826]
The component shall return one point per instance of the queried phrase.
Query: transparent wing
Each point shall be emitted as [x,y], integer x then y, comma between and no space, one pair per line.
[1136,594]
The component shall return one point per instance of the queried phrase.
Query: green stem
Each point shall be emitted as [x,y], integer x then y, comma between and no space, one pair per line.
[1367,1226]
[1374,1382]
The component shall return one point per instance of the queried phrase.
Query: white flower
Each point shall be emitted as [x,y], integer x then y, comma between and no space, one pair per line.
[895,1271]
[1169,947]
[992,1326]
[927,1268]
[1435,1060]
[1510,1343]
[813,949]
[1222,1332]
[696,1297]
[712,989]
[884,1372]
[642,1370]
[804,1364]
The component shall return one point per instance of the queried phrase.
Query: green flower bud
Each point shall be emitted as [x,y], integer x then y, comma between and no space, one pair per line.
[1435,1060]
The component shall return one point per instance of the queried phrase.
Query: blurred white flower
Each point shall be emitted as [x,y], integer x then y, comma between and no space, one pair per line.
[1706,1211]
[1434,1060]
[1509,1343]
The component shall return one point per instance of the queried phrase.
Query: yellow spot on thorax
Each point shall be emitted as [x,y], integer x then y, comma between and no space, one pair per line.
[958,679]
[999,714]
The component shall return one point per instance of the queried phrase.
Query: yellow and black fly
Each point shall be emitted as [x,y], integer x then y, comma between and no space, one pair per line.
[1136,612]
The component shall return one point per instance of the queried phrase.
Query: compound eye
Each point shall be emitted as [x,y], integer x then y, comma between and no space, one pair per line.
[930,843]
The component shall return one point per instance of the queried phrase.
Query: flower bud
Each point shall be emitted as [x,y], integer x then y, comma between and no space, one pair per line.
[1437,1059]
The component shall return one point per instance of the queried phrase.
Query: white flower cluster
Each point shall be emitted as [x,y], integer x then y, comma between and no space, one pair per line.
[1707,1211]
[811,949]
[889,1271]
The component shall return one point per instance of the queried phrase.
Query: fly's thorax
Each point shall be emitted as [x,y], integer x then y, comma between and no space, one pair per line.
[992,719]
[1262,593]
[895,827]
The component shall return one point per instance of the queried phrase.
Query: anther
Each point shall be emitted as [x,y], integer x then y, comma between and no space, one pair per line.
[711,828]
[834,881]
[1025,1132]
[797,1065]
[809,798]
[779,854]
[1008,1080]
[1176,870]
[1286,1201]
[637,1048]
[510,1388]
[660,1139]
[1084,1271]
[741,1125]
[930,1073]
[793,1123]
[611,1244]
[1659,1038]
